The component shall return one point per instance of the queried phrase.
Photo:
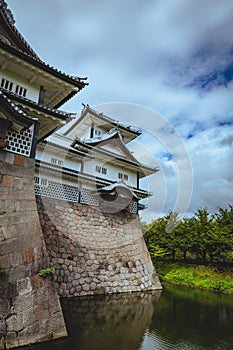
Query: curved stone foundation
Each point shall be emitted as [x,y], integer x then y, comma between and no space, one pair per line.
[95,252]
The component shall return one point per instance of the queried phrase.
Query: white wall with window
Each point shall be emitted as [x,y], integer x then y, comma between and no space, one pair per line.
[19,86]
[97,168]
[59,159]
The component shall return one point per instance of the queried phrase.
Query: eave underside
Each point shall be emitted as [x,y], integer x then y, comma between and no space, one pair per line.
[58,86]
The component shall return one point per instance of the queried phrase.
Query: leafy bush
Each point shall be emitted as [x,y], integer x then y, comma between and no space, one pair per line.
[2,269]
[200,276]
[46,272]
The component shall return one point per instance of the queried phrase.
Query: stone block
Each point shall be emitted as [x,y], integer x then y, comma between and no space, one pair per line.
[37,282]
[7,181]
[24,286]
[19,160]
[12,340]
[15,323]
[9,158]
[2,343]
[28,255]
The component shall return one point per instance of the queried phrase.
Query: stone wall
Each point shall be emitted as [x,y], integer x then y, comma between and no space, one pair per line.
[95,252]
[30,310]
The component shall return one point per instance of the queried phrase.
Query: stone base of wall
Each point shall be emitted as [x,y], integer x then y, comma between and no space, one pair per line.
[95,252]
[30,309]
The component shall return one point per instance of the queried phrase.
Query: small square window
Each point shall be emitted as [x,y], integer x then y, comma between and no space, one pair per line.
[37,180]
[97,132]
[54,161]
[20,90]
[6,84]
[43,182]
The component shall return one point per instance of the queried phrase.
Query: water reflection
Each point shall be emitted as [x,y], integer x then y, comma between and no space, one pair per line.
[109,322]
[178,319]
[114,322]
[191,319]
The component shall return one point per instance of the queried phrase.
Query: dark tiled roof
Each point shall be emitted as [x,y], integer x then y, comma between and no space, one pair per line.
[77,81]
[10,19]
[87,108]
[21,115]
[51,111]
[29,54]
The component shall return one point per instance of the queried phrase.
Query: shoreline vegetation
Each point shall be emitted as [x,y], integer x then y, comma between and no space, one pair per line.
[207,277]
[194,252]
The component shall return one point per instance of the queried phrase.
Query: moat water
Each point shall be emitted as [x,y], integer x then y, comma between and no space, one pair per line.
[177,318]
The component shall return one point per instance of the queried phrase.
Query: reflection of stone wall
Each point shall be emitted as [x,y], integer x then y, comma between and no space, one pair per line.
[109,322]
[94,252]
[29,306]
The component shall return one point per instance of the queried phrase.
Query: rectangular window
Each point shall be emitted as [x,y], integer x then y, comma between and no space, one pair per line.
[54,161]
[20,90]
[6,84]
[60,162]
[100,169]
[123,176]
[43,182]
[97,132]
[104,171]
[37,180]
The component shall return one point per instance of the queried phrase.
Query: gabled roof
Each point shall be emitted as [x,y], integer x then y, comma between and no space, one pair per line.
[89,115]
[142,169]
[112,138]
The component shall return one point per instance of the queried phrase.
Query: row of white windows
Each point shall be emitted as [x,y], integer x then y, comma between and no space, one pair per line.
[123,176]
[56,161]
[104,171]
[10,86]
[44,182]
[41,181]
[98,169]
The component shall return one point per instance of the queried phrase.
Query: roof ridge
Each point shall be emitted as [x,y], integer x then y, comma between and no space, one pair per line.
[11,21]
[30,52]
[36,58]
[111,120]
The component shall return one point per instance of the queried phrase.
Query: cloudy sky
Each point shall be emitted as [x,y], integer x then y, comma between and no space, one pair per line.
[165,66]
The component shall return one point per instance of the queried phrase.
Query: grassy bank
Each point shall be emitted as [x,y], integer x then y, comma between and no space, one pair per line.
[198,276]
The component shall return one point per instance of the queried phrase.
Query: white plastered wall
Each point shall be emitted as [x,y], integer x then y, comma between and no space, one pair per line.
[32,89]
